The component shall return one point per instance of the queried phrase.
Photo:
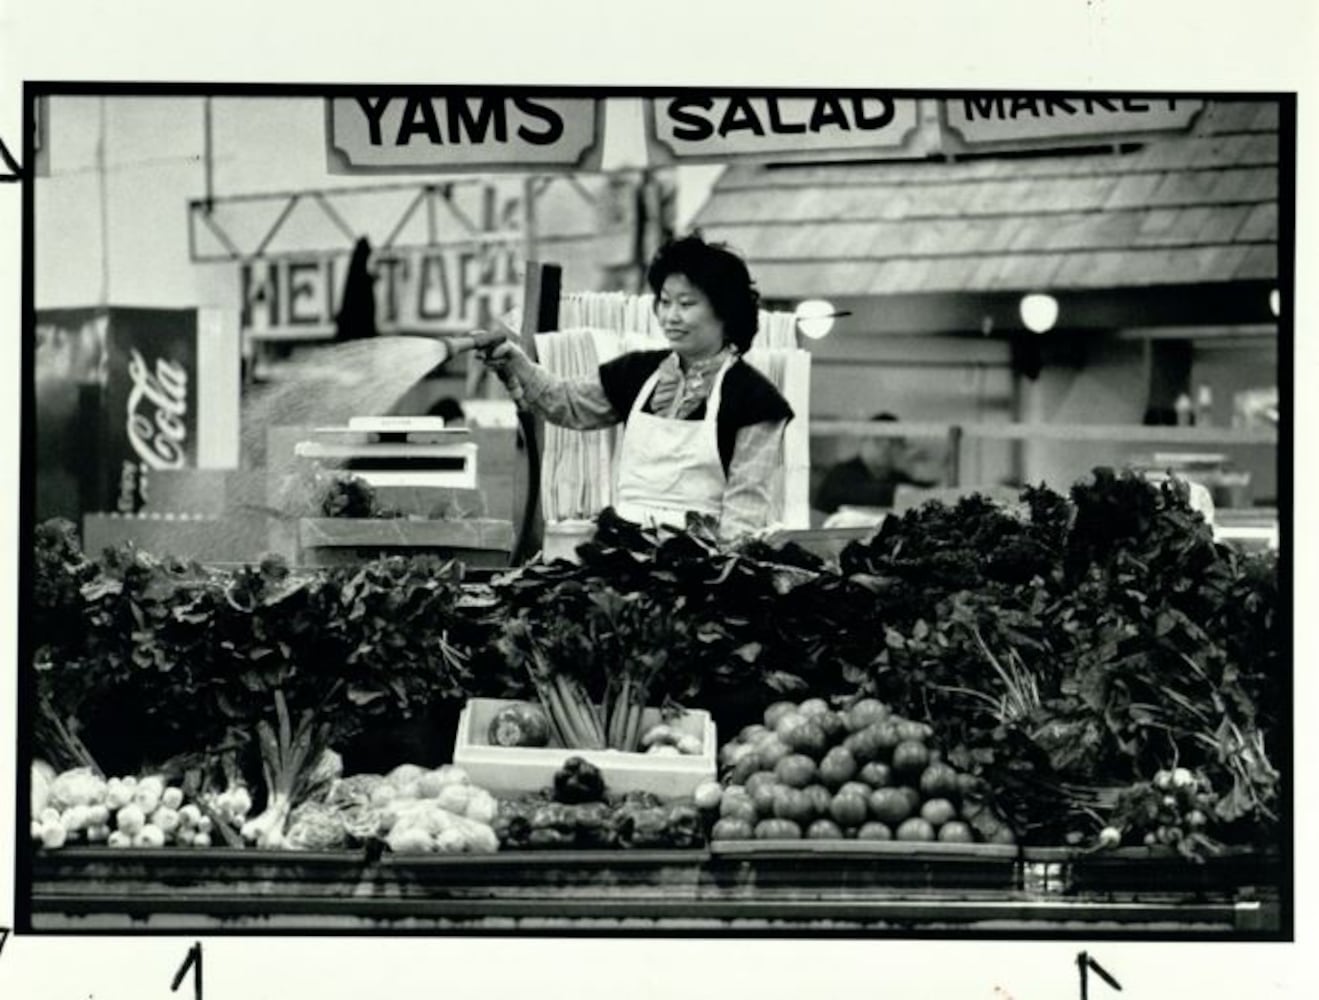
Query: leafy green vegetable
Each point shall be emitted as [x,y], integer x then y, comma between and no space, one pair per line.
[1065,649]
[192,660]
[687,619]
[1122,623]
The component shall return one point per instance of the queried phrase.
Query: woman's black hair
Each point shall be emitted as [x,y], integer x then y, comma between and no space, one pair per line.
[720,274]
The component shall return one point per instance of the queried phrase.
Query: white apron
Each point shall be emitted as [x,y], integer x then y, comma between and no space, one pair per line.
[669,467]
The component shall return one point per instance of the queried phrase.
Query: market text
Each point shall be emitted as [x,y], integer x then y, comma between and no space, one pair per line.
[1013,108]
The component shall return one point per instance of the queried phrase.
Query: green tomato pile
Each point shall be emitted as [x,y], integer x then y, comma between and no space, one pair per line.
[861,772]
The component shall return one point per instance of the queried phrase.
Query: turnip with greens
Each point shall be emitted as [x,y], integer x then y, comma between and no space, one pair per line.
[118,794]
[130,819]
[147,800]
[149,836]
[165,819]
[1110,836]
[233,805]
[75,818]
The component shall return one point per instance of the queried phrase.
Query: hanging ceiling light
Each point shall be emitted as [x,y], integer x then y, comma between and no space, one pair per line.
[1039,312]
[815,317]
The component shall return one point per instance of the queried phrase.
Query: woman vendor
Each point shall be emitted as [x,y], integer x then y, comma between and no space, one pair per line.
[703,429]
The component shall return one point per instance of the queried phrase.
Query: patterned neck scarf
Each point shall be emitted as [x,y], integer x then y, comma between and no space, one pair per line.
[677,393]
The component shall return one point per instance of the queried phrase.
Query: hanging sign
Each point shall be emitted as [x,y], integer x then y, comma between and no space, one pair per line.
[1006,122]
[422,133]
[438,289]
[782,129]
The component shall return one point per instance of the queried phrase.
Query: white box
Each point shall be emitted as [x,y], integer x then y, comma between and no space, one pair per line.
[510,771]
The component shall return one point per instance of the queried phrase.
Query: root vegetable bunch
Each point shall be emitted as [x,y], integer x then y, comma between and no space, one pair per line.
[1176,809]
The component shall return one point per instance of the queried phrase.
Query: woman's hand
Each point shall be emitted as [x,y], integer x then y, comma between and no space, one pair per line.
[506,358]
[485,340]
[508,361]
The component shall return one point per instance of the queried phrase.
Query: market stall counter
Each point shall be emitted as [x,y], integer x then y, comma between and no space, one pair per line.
[1058,717]
[740,887]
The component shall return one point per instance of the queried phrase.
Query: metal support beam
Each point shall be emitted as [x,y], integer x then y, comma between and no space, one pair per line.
[204,211]
[333,215]
[407,215]
[275,227]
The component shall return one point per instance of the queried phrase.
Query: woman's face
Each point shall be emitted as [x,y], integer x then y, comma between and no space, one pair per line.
[688,319]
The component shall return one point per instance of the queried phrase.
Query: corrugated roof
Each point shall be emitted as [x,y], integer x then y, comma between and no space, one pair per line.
[1196,208]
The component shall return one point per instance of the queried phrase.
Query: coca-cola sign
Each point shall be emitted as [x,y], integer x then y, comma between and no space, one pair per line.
[149,406]
[158,411]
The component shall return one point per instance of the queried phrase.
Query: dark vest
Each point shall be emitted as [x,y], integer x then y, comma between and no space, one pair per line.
[748,397]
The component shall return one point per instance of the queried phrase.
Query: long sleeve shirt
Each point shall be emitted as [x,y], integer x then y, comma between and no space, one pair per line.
[581,404]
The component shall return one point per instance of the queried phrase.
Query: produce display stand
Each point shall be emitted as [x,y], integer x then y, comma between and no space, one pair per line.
[731,886]
[1137,870]
[333,541]
[734,887]
[407,459]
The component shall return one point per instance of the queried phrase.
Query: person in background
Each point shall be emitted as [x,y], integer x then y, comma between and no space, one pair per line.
[703,429]
[356,318]
[870,478]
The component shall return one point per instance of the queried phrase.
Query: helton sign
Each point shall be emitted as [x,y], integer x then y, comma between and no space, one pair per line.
[437,289]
